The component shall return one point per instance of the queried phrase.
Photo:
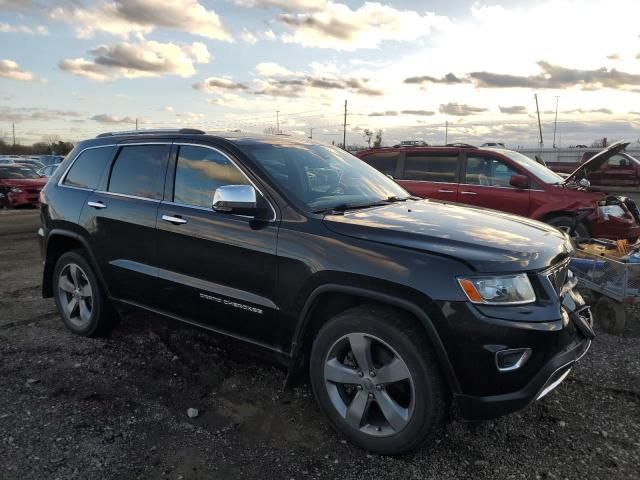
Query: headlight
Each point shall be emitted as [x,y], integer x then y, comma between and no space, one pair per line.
[502,290]
[612,210]
[15,190]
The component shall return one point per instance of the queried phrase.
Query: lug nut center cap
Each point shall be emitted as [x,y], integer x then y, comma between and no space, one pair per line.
[368,384]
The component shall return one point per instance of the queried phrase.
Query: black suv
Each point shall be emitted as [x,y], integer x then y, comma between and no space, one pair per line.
[395,305]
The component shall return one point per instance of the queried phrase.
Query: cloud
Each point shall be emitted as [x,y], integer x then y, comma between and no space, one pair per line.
[139,17]
[296,87]
[449,78]
[271,69]
[15,4]
[286,5]
[553,76]
[10,69]
[339,27]
[388,113]
[514,110]
[606,111]
[144,59]
[248,37]
[614,56]
[22,114]
[426,113]
[460,110]
[112,119]
[37,30]
[213,84]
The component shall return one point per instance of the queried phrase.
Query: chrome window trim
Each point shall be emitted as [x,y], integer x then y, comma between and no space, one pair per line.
[187,144]
[66,172]
[126,195]
[425,181]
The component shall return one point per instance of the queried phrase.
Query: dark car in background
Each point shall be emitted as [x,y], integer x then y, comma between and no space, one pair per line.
[20,186]
[394,305]
[511,182]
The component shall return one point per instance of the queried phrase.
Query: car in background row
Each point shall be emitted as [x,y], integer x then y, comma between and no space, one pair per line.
[509,181]
[618,173]
[20,186]
[48,170]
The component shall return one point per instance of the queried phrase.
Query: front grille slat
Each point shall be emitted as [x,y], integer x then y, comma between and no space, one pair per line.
[557,276]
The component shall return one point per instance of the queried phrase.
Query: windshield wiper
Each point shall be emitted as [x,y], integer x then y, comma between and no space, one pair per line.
[343,207]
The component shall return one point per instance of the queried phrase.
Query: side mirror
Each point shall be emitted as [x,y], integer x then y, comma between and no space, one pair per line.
[519,181]
[237,200]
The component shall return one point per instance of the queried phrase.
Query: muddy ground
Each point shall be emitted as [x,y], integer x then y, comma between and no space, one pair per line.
[116,408]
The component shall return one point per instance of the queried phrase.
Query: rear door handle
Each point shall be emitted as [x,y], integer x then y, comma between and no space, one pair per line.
[468,193]
[97,204]
[445,191]
[174,220]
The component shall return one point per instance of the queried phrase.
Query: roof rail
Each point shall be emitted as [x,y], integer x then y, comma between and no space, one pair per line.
[460,145]
[192,131]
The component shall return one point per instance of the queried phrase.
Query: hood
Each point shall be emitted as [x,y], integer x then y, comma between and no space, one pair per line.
[595,162]
[23,182]
[487,240]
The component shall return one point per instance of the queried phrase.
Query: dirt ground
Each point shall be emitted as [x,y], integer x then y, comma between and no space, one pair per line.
[116,408]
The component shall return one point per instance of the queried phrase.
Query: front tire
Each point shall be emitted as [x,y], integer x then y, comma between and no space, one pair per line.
[377,381]
[79,296]
[565,224]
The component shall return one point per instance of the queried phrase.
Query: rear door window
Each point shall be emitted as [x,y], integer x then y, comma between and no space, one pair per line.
[139,171]
[431,168]
[88,168]
[488,172]
[199,172]
[385,162]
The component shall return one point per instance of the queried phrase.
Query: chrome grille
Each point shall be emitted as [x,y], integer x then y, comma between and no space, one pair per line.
[557,275]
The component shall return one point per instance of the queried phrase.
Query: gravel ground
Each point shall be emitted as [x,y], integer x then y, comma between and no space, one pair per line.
[115,408]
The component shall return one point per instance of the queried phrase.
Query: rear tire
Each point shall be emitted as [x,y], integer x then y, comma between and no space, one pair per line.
[377,381]
[565,224]
[79,297]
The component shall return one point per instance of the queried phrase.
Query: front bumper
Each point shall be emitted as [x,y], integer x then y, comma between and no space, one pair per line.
[22,199]
[614,228]
[473,336]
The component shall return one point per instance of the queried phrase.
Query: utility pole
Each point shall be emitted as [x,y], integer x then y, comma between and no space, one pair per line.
[344,129]
[13,126]
[277,121]
[310,132]
[535,95]
[555,123]
[136,124]
[446,132]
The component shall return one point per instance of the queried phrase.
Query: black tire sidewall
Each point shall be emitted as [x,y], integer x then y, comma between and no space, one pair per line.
[97,311]
[581,229]
[429,402]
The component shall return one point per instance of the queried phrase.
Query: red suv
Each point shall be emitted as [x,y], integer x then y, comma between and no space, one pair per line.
[509,181]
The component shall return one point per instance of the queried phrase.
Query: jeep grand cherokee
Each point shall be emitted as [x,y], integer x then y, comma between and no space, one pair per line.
[394,305]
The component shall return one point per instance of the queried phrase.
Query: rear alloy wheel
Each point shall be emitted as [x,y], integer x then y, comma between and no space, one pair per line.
[377,382]
[79,296]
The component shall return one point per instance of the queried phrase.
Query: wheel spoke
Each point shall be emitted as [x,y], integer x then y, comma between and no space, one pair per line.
[65,284]
[336,372]
[394,371]
[75,277]
[396,415]
[85,291]
[85,313]
[71,306]
[358,409]
[361,348]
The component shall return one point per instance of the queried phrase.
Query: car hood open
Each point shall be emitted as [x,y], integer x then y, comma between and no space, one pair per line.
[595,162]
[487,240]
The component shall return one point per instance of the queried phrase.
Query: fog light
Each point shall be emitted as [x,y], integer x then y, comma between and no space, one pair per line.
[512,359]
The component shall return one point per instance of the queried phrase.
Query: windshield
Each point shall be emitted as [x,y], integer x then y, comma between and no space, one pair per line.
[540,171]
[17,172]
[323,177]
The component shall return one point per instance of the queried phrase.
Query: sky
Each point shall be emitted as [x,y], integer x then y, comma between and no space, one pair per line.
[72,69]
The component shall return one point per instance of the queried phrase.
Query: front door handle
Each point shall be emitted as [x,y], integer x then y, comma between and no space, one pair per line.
[468,193]
[445,191]
[174,220]
[97,205]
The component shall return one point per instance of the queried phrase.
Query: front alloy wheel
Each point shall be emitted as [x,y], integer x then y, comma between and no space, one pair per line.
[75,295]
[377,381]
[369,384]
